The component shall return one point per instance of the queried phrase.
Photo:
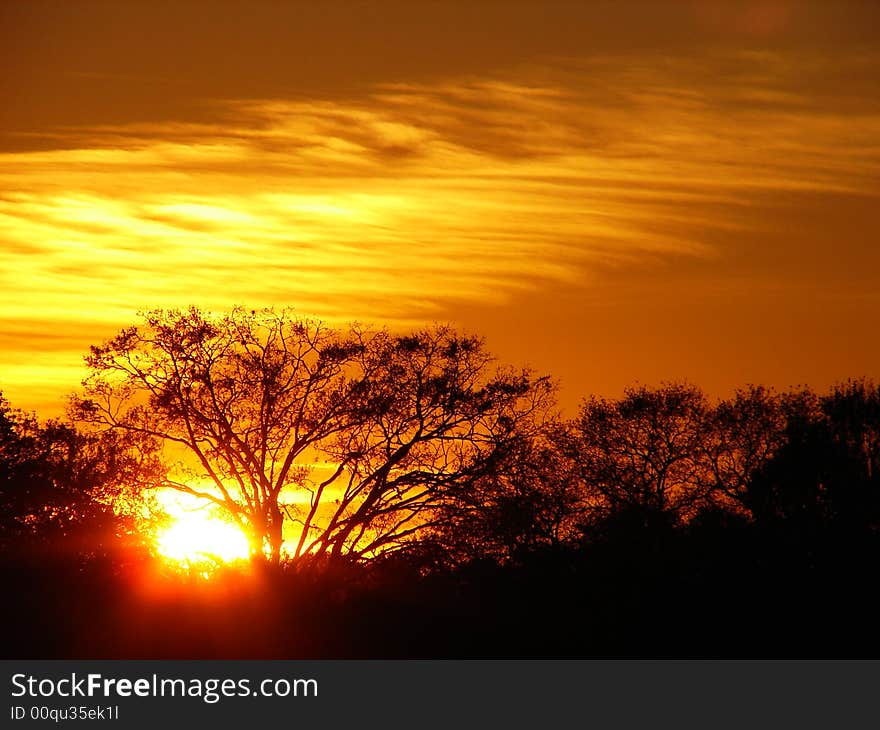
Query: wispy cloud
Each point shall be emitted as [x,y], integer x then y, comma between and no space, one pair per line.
[399,205]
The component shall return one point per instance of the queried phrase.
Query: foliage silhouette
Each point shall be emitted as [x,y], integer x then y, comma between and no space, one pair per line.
[642,454]
[62,490]
[656,524]
[358,438]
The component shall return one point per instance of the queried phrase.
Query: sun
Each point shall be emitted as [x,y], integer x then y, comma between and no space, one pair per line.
[199,538]
[196,536]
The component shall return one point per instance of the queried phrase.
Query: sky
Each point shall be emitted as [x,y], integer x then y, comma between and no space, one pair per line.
[610,192]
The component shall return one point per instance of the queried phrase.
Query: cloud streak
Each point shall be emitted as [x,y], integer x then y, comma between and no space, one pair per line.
[402,205]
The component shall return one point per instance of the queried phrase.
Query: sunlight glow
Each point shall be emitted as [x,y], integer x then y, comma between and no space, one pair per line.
[197,538]
[418,200]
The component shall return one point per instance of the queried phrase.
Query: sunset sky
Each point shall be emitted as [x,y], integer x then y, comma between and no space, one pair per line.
[609,192]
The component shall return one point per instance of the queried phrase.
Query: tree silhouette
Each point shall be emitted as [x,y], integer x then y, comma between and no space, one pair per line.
[469,508]
[743,434]
[357,437]
[824,472]
[532,500]
[642,453]
[852,414]
[61,489]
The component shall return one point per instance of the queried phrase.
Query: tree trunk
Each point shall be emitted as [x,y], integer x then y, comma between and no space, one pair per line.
[257,537]
[275,534]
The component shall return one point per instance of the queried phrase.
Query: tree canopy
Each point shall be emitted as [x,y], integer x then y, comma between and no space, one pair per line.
[62,488]
[355,436]
[414,483]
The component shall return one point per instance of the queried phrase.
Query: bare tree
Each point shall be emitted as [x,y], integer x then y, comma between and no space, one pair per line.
[355,435]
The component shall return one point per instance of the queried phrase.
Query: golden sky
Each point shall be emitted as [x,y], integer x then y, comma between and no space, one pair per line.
[610,192]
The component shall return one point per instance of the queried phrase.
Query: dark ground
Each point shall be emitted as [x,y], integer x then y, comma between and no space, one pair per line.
[686,592]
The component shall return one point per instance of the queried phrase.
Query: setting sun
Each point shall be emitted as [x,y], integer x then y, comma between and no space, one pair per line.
[196,536]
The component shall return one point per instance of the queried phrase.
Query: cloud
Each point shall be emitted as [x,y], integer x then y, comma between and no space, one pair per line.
[401,205]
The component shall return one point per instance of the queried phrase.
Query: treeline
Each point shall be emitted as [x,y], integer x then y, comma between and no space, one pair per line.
[454,512]
[656,524]
[794,461]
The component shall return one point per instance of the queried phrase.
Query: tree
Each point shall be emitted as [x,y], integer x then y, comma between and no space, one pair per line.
[355,436]
[642,453]
[852,488]
[787,489]
[825,469]
[744,433]
[530,501]
[62,490]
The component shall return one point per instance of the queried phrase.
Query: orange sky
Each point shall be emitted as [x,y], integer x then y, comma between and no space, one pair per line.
[611,192]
